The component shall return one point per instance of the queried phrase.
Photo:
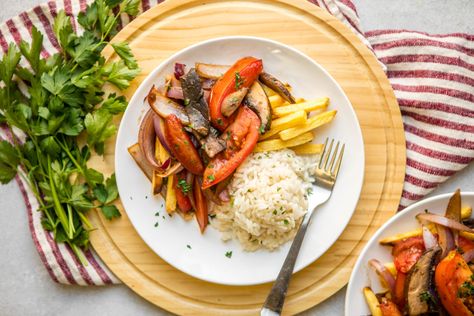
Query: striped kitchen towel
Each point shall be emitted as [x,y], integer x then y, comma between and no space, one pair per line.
[433,79]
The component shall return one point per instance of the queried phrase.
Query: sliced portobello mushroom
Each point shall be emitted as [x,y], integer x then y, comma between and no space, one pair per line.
[211,71]
[195,103]
[232,101]
[257,100]
[276,85]
[420,292]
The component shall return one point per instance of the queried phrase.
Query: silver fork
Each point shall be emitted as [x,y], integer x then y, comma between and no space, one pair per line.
[326,175]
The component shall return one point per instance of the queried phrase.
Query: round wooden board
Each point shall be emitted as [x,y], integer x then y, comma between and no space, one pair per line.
[176,24]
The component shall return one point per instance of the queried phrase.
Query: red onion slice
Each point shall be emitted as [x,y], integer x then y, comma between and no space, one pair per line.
[428,238]
[224,196]
[164,106]
[443,221]
[146,139]
[445,239]
[160,132]
[468,256]
[175,93]
[385,275]
[179,70]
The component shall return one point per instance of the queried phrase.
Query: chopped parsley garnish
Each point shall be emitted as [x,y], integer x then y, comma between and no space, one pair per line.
[228,135]
[184,186]
[156,224]
[219,121]
[228,254]
[186,101]
[212,215]
[309,191]
[261,129]
[426,297]
[157,214]
[238,81]
[285,221]
[274,212]
[278,189]
[466,289]
[211,177]
[189,247]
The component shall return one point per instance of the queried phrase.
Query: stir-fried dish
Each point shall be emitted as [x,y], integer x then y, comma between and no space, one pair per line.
[204,122]
[432,268]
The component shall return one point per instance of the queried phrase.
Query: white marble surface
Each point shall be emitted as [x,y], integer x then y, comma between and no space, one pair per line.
[25,287]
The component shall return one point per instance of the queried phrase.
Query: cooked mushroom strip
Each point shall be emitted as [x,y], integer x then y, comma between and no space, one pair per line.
[276,85]
[196,105]
[257,100]
[420,290]
[213,145]
[232,102]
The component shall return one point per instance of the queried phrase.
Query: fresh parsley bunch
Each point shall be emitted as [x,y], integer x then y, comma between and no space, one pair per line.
[59,105]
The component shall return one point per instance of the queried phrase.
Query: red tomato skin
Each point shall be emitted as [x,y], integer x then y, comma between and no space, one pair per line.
[389,308]
[201,206]
[450,274]
[407,252]
[181,146]
[183,201]
[465,244]
[399,292]
[242,139]
[248,68]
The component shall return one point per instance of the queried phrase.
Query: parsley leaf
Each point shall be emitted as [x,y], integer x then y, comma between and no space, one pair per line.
[9,161]
[123,50]
[119,74]
[99,127]
[110,211]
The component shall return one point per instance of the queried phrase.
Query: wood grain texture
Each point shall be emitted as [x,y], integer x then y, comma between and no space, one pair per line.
[176,24]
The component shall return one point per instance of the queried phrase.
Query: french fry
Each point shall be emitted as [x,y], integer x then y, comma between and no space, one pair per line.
[372,302]
[312,123]
[156,183]
[308,106]
[308,149]
[390,266]
[466,212]
[276,144]
[467,235]
[170,195]
[288,121]
[276,101]
[163,154]
[390,241]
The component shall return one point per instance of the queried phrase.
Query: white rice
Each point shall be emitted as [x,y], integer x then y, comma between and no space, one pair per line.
[268,199]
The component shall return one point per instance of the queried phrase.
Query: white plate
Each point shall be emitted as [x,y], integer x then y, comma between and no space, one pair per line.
[404,221]
[205,257]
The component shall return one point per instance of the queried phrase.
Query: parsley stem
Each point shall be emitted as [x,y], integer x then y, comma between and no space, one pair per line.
[57,205]
[78,253]
[74,161]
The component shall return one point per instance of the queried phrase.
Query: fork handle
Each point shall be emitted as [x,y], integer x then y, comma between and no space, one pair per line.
[275,299]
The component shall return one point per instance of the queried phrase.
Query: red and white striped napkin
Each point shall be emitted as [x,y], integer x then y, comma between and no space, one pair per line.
[433,79]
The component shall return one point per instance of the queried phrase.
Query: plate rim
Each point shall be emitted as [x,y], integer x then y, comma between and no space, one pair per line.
[380,231]
[148,80]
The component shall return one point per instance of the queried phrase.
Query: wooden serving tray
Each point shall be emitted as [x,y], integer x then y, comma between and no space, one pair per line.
[176,24]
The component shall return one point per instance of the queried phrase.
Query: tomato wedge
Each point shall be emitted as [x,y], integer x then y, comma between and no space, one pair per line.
[201,206]
[241,136]
[241,75]
[465,244]
[182,199]
[389,308]
[407,252]
[399,291]
[455,285]
[181,146]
